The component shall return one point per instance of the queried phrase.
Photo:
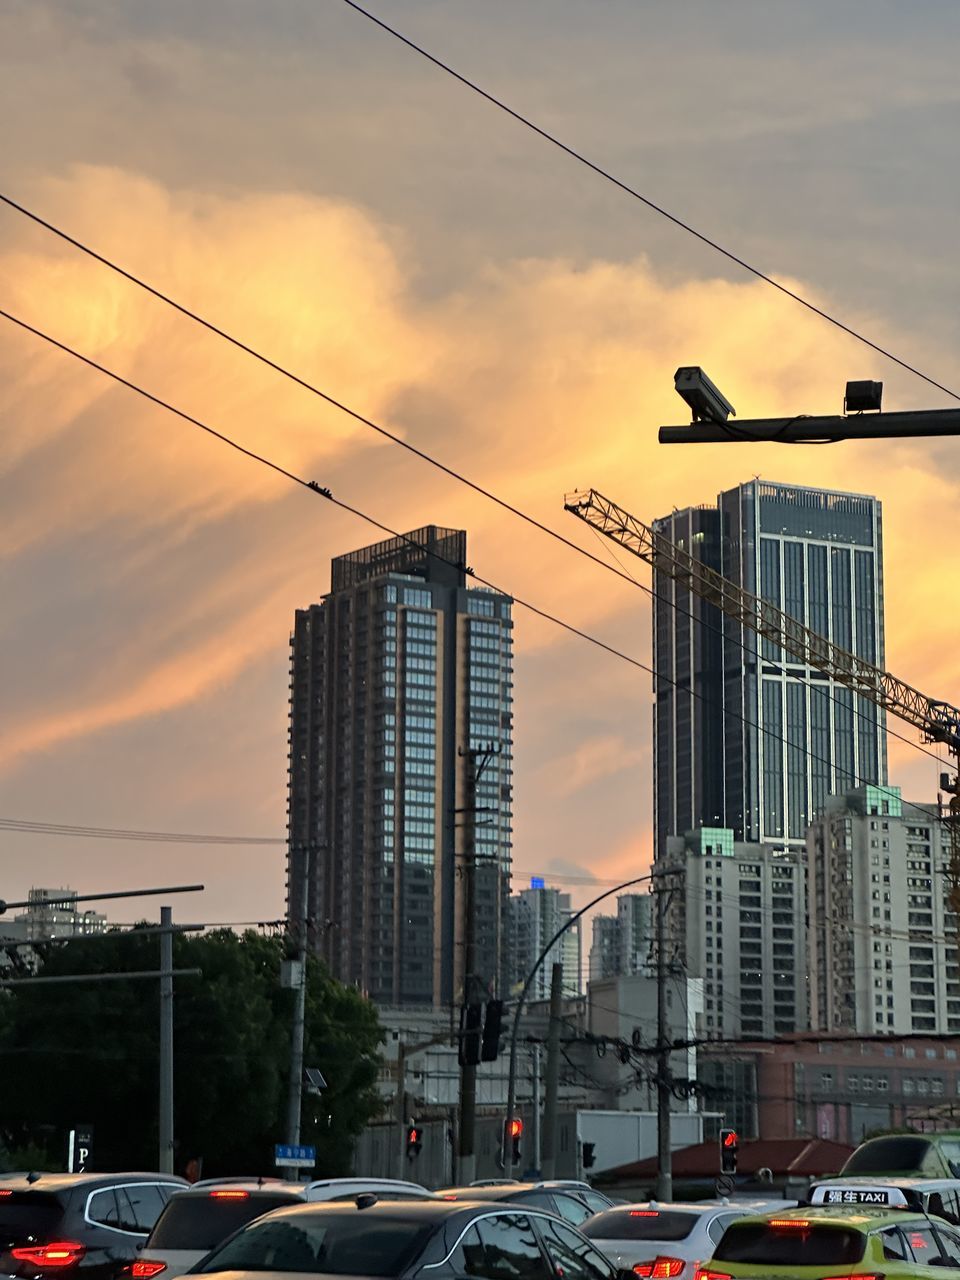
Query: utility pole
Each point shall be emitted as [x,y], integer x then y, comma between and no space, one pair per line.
[165,1120]
[295,1087]
[401,1108]
[552,1084]
[467,1159]
[472,987]
[664,1080]
[535,1139]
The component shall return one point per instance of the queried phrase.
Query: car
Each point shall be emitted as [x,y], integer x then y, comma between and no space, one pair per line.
[937,1196]
[663,1240]
[566,1203]
[432,1240]
[810,1243]
[198,1219]
[84,1224]
[929,1155]
[595,1200]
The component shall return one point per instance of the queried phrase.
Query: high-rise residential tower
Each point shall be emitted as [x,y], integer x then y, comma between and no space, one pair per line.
[882,937]
[399,678]
[745,737]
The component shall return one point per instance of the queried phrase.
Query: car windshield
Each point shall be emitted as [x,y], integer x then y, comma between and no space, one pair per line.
[337,1244]
[804,1244]
[200,1221]
[640,1224]
[889,1155]
[27,1215]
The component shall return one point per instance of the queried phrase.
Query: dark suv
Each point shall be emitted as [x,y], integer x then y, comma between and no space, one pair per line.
[66,1223]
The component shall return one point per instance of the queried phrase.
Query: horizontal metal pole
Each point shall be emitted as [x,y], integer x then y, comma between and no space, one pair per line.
[833,428]
[101,897]
[93,937]
[100,977]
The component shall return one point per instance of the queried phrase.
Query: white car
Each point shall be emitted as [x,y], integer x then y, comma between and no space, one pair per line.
[666,1241]
[197,1219]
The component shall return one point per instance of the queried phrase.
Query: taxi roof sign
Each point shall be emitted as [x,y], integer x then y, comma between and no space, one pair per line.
[880,1197]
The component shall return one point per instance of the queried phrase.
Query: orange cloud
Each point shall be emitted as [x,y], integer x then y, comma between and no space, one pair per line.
[534,378]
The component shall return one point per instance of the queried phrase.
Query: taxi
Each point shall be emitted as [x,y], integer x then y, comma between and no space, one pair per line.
[857,1243]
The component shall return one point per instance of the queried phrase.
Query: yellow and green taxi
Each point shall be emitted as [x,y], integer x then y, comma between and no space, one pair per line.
[822,1243]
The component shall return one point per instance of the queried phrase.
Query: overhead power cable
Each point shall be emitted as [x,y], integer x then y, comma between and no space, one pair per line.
[651,204]
[325,493]
[618,569]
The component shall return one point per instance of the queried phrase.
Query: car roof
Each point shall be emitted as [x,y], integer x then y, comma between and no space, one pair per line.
[858,1217]
[500,1192]
[426,1211]
[907,1180]
[68,1181]
[667,1206]
[250,1187]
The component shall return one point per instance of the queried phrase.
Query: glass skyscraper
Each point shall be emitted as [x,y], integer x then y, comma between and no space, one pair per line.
[748,738]
[396,675]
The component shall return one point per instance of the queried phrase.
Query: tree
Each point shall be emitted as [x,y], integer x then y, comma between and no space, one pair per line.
[89,1054]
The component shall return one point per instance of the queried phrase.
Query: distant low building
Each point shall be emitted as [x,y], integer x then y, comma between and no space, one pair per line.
[837,1089]
[53,913]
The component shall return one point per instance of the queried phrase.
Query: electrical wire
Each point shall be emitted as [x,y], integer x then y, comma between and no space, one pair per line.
[325,493]
[659,209]
[618,570]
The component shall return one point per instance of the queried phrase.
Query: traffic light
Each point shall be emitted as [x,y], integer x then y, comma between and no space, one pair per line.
[513,1131]
[729,1146]
[414,1141]
[492,1023]
[471,1019]
[589,1155]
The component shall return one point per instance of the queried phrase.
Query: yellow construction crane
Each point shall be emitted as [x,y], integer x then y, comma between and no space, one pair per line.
[937,721]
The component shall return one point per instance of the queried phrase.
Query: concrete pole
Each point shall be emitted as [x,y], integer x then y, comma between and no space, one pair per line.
[664,1091]
[295,1085]
[552,1086]
[401,1107]
[295,1095]
[535,1114]
[467,1158]
[165,1122]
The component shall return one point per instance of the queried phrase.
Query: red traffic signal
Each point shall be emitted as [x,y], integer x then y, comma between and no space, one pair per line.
[515,1127]
[414,1141]
[729,1146]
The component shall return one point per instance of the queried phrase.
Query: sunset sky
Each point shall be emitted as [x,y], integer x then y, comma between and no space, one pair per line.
[308,183]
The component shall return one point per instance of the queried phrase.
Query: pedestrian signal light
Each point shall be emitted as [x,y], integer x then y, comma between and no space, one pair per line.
[414,1141]
[729,1146]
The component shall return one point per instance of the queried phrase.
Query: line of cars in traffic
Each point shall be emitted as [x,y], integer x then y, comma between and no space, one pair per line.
[865,1225]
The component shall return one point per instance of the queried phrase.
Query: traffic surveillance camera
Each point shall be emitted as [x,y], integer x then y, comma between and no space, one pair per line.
[706,403]
[863,397]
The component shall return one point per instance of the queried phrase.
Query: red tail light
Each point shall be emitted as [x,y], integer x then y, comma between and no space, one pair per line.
[660,1268]
[667,1268]
[797,1224]
[144,1270]
[230,1195]
[644,1213]
[51,1257]
[6,1193]
[705,1273]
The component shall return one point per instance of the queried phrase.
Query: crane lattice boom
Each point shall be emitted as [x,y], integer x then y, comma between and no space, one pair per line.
[937,721]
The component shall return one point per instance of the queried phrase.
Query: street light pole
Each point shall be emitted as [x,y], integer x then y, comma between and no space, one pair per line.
[515,1030]
[815,429]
